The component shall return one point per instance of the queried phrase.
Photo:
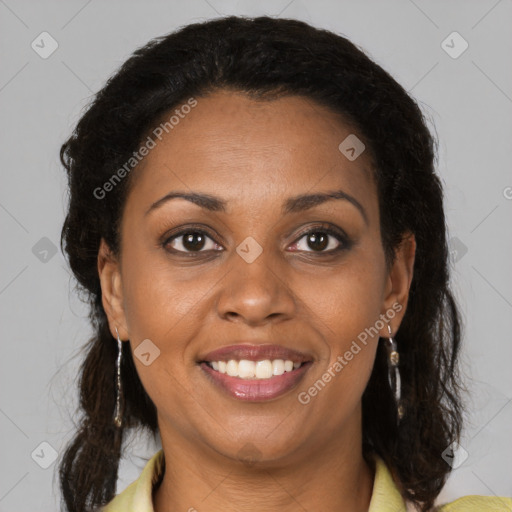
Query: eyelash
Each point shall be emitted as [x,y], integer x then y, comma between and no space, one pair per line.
[338,234]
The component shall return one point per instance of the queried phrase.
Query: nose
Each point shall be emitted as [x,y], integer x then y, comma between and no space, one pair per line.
[256,291]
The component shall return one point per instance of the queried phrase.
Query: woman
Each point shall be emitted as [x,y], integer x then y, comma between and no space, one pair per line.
[255,216]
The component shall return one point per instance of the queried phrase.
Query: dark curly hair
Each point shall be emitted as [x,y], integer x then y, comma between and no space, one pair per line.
[267,58]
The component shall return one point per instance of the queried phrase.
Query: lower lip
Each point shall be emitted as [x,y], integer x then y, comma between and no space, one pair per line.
[257,390]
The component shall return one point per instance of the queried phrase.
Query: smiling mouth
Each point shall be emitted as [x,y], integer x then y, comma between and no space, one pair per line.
[255,381]
[255,372]
[261,370]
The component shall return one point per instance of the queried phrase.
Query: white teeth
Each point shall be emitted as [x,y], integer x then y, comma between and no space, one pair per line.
[263,369]
[246,369]
[232,368]
[278,367]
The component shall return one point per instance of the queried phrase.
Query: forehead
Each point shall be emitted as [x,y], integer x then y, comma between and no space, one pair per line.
[251,151]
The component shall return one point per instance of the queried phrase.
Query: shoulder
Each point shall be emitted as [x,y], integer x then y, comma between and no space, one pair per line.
[122,502]
[478,504]
[386,497]
[137,497]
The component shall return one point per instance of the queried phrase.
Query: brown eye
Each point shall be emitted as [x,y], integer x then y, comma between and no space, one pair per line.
[322,240]
[191,241]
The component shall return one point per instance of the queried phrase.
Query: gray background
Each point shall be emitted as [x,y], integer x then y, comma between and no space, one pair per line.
[43,323]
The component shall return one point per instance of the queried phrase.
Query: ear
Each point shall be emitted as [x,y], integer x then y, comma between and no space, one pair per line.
[112,290]
[398,284]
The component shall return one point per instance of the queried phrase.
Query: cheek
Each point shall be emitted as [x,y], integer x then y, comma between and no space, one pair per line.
[348,311]
[162,308]
[162,303]
[349,302]
[350,347]
[157,298]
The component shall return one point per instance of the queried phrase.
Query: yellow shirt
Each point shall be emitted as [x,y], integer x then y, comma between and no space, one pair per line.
[137,497]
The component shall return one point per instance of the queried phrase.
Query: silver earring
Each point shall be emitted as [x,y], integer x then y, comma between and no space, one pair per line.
[394,374]
[117,414]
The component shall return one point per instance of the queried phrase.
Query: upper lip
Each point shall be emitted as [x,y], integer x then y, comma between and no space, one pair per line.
[255,352]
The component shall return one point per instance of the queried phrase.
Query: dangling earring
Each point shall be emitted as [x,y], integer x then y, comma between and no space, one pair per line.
[117,414]
[394,374]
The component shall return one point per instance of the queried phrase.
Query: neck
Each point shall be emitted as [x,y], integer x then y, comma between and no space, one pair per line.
[330,478]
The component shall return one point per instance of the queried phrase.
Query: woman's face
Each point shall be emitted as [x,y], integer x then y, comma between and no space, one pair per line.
[268,268]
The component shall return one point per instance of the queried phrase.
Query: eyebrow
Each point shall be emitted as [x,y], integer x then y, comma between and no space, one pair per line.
[294,204]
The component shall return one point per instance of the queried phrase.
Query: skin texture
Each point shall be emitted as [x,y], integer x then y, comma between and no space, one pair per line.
[255,155]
